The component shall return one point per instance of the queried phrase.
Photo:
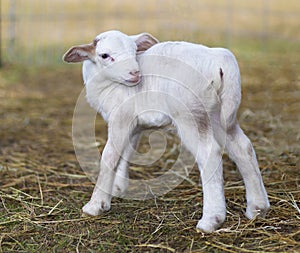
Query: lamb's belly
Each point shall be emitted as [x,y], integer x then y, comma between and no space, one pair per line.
[153,119]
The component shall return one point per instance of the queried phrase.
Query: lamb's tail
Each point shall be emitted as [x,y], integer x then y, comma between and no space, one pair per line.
[230,96]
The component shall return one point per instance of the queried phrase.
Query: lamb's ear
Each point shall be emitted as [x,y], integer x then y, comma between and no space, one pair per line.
[144,41]
[80,53]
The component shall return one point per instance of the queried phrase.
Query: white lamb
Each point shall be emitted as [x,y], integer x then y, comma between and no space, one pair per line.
[137,83]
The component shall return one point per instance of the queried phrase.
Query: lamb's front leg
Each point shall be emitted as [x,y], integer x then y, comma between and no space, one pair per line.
[102,194]
[121,180]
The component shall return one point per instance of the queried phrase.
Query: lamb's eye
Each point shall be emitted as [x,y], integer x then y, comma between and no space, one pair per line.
[104,56]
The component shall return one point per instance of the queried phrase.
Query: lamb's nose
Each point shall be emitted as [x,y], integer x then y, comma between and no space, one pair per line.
[134,73]
[136,78]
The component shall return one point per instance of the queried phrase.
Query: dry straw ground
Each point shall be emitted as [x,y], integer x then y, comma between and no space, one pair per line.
[42,187]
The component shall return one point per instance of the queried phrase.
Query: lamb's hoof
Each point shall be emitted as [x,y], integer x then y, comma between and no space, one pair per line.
[95,208]
[209,225]
[120,186]
[119,191]
[259,210]
[85,215]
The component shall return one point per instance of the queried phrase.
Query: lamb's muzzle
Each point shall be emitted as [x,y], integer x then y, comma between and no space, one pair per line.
[135,77]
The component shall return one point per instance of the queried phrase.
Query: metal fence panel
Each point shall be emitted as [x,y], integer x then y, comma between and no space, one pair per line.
[38,32]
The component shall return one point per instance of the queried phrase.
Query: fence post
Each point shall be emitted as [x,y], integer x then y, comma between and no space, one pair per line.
[1,60]
[229,30]
[265,19]
[12,29]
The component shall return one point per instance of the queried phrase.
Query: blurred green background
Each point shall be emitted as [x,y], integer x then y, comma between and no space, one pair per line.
[38,32]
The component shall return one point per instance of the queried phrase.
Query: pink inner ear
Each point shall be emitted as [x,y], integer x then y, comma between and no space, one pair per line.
[145,42]
[79,53]
[143,45]
[95,42]
[79,56]
[74,55]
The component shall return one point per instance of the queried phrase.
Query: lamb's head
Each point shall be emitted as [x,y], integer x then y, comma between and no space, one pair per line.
[114,54]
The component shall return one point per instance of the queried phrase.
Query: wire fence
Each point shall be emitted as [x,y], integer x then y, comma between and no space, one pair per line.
[38,32]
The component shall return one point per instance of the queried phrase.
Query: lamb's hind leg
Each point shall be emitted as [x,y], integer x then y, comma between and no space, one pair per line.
[211,170]
[241,151]
[208,155]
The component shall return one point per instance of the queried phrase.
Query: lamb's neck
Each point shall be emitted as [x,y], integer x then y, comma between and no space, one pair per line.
[98,94]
